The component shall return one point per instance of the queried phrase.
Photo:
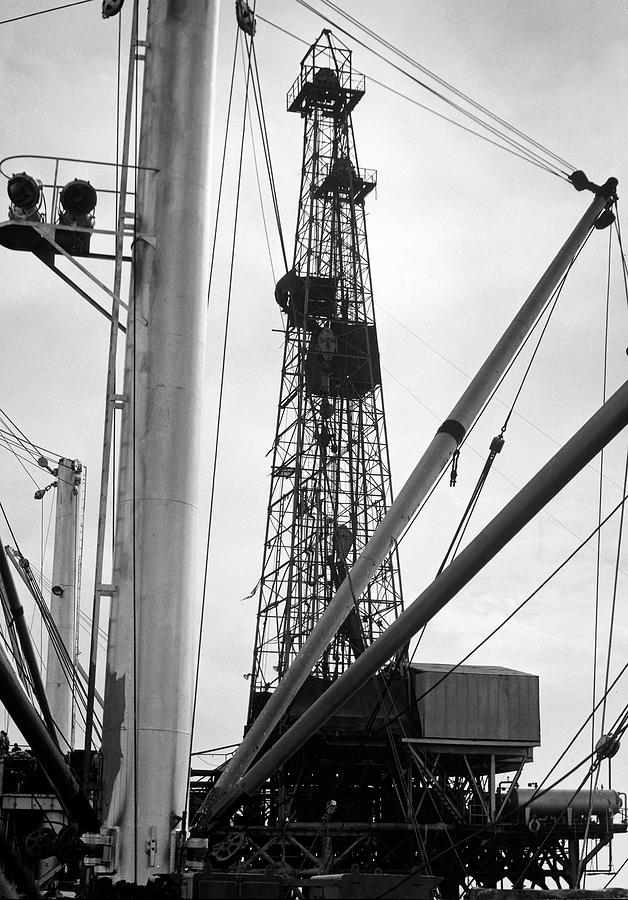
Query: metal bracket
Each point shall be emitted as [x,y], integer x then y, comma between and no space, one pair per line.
[85,296]
[107,590]
[44,231]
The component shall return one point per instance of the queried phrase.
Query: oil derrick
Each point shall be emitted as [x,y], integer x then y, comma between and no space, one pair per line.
[330,487]
[330,479]
[413,782]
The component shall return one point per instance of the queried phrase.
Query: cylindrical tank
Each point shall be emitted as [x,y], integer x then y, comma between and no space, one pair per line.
[555,803]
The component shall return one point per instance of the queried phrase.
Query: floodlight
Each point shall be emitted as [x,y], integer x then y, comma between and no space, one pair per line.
[25,196]
[78,198]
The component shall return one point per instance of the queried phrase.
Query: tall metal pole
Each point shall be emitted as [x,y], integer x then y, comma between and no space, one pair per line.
[601,428]
[427,470]
[149,677]
[63,597]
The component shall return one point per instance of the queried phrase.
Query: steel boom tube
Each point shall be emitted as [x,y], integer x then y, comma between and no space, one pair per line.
[398,517]
[65,785]
[6,580]
[601,428]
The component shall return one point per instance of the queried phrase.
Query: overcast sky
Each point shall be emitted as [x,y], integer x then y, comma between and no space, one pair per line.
[459,232]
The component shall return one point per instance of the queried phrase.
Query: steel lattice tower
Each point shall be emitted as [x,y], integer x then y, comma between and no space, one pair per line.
[330,478]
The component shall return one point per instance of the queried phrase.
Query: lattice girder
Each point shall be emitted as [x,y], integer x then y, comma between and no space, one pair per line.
[330,476]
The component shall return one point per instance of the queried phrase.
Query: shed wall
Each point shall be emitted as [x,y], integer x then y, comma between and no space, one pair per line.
[476,703]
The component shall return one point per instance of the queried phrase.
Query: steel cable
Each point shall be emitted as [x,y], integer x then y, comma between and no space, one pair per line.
[530,155]
[220,401]
[483,109]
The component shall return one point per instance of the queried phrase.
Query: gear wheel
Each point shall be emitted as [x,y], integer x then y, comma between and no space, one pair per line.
[228,848]
[40,843]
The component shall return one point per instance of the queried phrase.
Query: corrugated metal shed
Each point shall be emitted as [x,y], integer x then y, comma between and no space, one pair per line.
[477,703]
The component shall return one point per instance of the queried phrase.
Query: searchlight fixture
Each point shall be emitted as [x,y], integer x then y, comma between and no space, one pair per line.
[78,199]
[25,195]
[74,222]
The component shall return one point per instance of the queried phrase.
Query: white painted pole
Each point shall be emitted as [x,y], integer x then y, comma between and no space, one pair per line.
[150,661]
[427,470]
[63,596]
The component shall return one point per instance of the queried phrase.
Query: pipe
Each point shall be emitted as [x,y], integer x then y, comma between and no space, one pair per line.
[602,427]
[401,511]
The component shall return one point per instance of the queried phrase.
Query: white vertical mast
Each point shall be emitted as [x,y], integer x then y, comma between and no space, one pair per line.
[63,597]
[149,680]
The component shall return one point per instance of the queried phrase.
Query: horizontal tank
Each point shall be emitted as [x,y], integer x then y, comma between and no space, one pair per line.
[556,803]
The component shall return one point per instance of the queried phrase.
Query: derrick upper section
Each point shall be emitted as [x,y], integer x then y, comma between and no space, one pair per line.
[325,93]
[326,82]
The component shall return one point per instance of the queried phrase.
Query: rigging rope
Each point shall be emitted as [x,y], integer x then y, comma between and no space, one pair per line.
[599,505]
[220,397]
[527,154]
[21,460]
[261,199]
[42,12]
[551,300]
[495,448]
[259,105]
[450,362]
[222,167]
[621,251]
[418,104]
[439,418]
[13,437]
[617,566]
[62,652]
[614,596]
[261,118]
[20,437]
[483,109]
[521,605]
[610,880]
[13,434]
